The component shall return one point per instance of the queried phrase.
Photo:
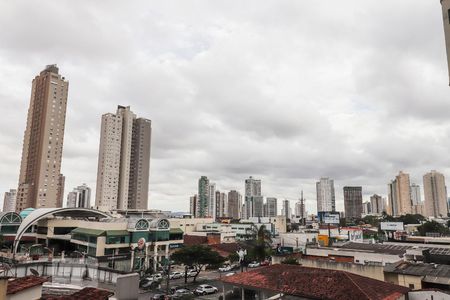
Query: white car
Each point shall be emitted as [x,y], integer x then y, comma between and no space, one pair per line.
[176,275]
[253,264]
[157,276]
[226,268]
[205,289]
[192,273]
[230,274]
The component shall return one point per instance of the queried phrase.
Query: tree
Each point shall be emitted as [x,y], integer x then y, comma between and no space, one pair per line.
[294,227]
[260,244]
[290,261]
[432,226]
[197,257]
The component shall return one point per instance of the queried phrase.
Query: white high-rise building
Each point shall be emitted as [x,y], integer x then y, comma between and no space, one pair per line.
[9,201]
[79,197]
[326,200]
[415,194]
[212,209]
[252,189]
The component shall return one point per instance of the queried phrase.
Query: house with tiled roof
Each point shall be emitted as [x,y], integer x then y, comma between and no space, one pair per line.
[28,287]
[298,282]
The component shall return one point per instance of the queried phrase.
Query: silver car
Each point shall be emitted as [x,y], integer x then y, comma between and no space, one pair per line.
[205,289]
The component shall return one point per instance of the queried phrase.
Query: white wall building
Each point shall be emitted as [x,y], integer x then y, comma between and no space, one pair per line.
[326,200]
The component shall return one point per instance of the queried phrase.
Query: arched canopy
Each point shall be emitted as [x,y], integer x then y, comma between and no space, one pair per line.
[10,218]
[160,224]
[42,213]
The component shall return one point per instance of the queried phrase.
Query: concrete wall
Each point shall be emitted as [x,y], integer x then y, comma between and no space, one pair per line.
[427,295]
[375,272]
[359,256]
[404,280]
[127,287]
[30,294]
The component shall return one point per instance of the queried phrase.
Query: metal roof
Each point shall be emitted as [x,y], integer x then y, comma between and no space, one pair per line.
[42,213]
[419,269]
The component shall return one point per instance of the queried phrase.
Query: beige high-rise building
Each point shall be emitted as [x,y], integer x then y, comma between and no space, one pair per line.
[399,195]
[123,161]
[140,164]
[40,180]
[435,194]
[9,201]
[446,17]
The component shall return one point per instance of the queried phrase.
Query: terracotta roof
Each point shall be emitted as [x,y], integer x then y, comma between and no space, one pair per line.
[316,283]
[190,240]
[22,283]
[88,293]
[225,249]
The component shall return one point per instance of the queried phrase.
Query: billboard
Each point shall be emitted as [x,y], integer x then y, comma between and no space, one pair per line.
[331,218]
[392,226]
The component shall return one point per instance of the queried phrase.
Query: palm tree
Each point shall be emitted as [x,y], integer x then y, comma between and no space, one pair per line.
[260,244]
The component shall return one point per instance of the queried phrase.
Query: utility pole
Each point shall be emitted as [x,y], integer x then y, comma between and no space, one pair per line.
[167,274]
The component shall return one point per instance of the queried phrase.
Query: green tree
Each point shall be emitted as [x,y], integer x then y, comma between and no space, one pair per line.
[432,226]
[295,226]
[197,257]
[260,244]
[290,261]
[233,257]
[411,219]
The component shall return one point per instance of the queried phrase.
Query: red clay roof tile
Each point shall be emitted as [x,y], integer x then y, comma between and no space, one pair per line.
[316,283]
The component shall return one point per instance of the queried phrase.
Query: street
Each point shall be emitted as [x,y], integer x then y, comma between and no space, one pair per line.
[205,277]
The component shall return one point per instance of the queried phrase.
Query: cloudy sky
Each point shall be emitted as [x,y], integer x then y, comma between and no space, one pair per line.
[286,91]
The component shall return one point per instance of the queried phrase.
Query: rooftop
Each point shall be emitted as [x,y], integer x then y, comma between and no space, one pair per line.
[316,283]
[419,269]
[394,249]
[22,283]
[87,293]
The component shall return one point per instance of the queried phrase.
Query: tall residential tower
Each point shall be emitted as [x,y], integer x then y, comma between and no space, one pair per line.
[435,194]
[40,180]
[353,202]
[399,195]
[123,161]
[326,200]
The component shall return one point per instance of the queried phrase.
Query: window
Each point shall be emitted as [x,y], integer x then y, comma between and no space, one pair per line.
[411,286]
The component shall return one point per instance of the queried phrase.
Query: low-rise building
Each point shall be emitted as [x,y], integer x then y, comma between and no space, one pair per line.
[298,282]
[418,275]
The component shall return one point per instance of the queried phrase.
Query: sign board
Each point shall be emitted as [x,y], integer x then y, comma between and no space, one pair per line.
[331,218]
[391,226]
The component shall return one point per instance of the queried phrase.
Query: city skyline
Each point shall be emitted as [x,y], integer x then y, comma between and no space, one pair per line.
[277,126]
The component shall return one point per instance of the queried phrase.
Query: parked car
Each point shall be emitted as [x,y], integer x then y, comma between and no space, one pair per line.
[148,283]
[192,273]
[230,274]
[157,276]
[254,264]
[265,263]
[225,268]
[180,293]
[176,275]
[205,289]
[160,297]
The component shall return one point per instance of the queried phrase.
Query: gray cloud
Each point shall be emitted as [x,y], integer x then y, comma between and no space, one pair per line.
[286,91]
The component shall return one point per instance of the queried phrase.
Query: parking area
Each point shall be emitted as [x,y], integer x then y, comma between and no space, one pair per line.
[205,277]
